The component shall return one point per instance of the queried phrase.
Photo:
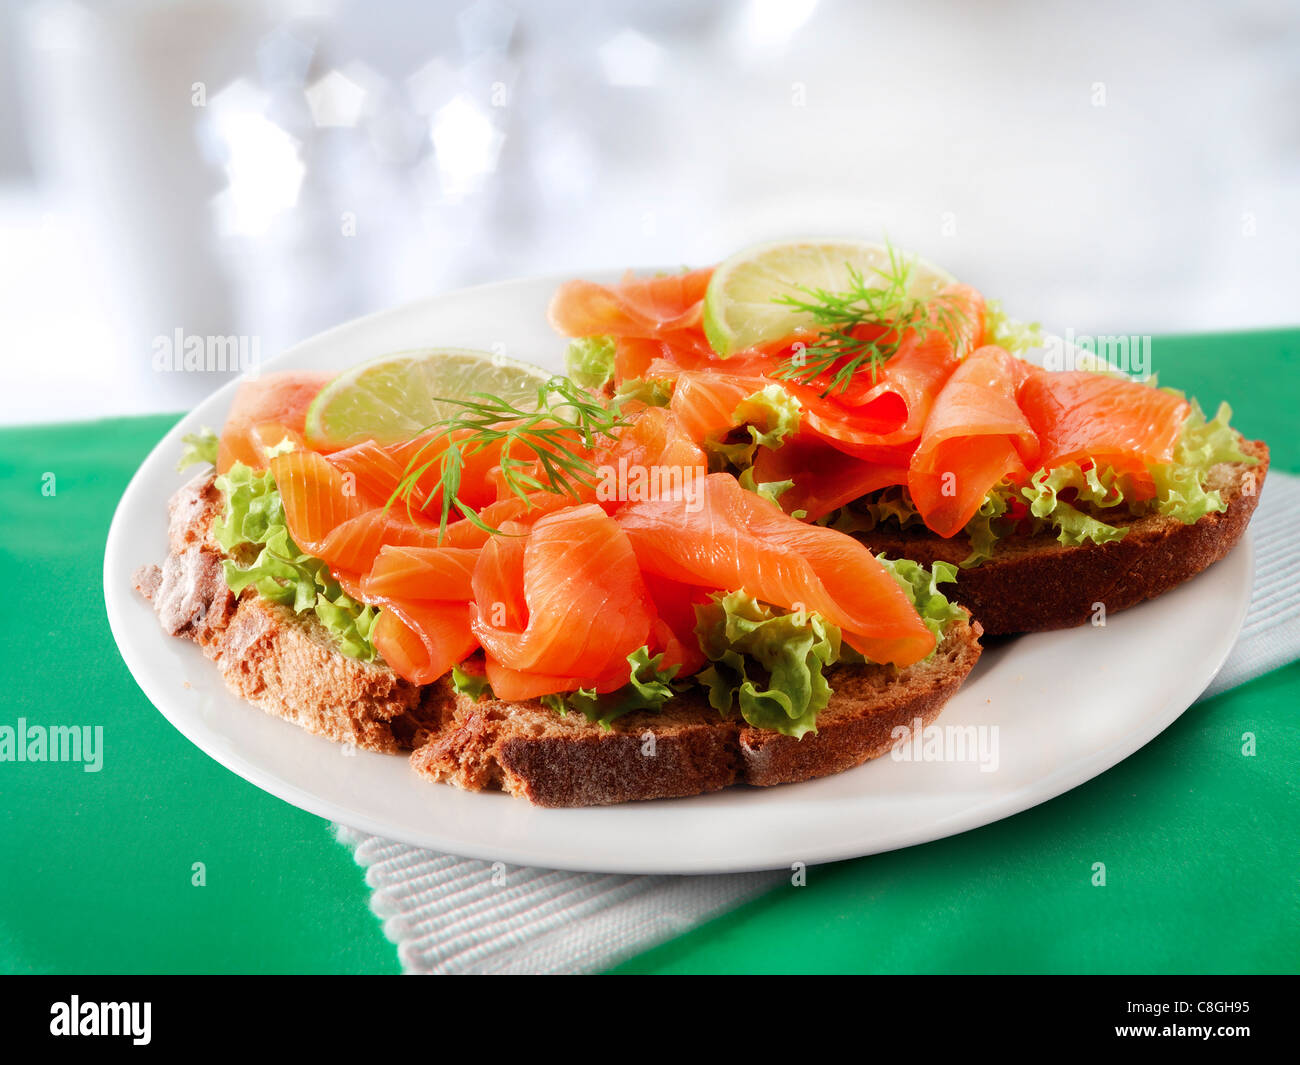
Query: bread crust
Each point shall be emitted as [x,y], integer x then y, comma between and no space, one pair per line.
[279,661]
[529,751]
[285,664]
[1034,584]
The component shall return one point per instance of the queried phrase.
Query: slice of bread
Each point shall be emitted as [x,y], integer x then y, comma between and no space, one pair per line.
[285,664]
[1035,583]
[687,748]
[267,654]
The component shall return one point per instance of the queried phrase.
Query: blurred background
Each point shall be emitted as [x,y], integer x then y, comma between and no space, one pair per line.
[266,170]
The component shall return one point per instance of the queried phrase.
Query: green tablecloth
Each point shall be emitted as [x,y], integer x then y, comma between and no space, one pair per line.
[1199,842]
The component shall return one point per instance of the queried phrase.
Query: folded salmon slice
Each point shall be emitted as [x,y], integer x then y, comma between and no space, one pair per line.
[894,406]
[1111,421]
[266,408]
[526,510]
[824,477]
[570,602]
[635,307]
[355,544]
[672,633]
[419,572]
[421,641]
[514,685]
[674,630]
[705,401]
[975,436]
[660,356]
[317,499]
[422,459]
[653,440]
[374,469]
[736,539]
[891,409]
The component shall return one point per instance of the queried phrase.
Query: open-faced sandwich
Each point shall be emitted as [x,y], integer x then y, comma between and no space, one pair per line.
[693,561]
[871,393]
[546,592]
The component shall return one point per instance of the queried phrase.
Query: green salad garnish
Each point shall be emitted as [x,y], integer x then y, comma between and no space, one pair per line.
[254,520]
[649,686]
[770,664]
[1066,498]
[589,361]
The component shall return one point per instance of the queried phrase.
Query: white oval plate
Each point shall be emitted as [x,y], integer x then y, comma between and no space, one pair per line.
[1062,707]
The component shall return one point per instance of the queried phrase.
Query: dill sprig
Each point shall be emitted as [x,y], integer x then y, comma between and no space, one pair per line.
[552,439]
[862,327]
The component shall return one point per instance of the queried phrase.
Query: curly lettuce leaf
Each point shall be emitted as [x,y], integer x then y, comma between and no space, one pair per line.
[253,507]
[1181,490]
[475,685]
[1074,526]
[890,507]
[200,448]
[769,664]
[922,587]
[589,361]
[848,519]
[253,518]
[989,524]
[1181,485]
[767,417]
[769,490]
[1008,333]
[653,392]
[649,686]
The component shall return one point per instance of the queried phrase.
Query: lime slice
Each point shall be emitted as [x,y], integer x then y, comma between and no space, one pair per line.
[393,398]
[740,308]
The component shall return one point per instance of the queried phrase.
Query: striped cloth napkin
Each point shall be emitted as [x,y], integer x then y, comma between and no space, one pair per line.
[454,915]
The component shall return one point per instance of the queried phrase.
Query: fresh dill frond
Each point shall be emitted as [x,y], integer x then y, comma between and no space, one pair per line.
[543,449]
[862,327]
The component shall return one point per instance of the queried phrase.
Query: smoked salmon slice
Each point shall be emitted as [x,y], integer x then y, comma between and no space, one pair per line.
[737,539]
[892,410]
[647,357]
[586,606]
[635,307]
[826,479]
[975,436]
[513,685]
[422,573]
[704,402]
[674,632]
[653,439]
[1081,416]
[261,405]
[497,583]
[354,545]
[535,505]
[422,458]
[374,469]
[421,641]
[317,499]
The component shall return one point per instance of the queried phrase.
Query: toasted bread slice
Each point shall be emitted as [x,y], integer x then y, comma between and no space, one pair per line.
[1034,583]
[286,664]
[281,661]
[688,748]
